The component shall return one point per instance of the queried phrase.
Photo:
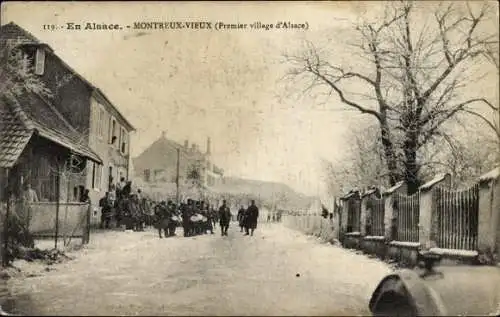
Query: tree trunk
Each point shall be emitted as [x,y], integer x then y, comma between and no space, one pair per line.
[411,166]
[390,155]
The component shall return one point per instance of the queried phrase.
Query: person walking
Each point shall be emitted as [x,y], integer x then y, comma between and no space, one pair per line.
[241,218]
[225,218]
[251,219]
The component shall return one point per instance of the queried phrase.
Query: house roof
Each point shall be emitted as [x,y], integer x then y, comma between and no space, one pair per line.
[159,148]
[14,31]
[13,135]
[32,115]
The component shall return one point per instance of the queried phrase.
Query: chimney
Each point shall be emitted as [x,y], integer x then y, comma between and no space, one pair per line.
[164,134]
[208,145]
[186,144]
[193,147]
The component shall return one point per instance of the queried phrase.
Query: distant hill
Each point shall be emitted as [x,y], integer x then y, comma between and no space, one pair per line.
[281,194]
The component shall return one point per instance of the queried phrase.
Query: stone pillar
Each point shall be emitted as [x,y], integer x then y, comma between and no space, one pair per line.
[389,212]
[343,216]
[426,227]
[489,209]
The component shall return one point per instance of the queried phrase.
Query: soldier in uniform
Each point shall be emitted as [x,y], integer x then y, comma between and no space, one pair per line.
[225,218]
[162,219]
[172,224]
[210,219]
[251,219]
[106,211]
[241,218]
[186,215]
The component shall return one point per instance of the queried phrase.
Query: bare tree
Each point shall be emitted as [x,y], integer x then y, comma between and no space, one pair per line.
[362,164]
[414,77]
[16,73]
[195,176]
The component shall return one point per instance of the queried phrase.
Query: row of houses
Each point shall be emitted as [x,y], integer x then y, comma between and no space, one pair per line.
[77,140]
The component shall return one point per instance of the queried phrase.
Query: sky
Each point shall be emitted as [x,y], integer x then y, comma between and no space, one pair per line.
[226,85]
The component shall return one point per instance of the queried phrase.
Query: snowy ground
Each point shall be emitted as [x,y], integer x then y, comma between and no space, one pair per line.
[131,273]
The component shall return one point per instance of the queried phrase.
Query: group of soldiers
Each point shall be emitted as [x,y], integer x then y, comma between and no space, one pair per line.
[197,217]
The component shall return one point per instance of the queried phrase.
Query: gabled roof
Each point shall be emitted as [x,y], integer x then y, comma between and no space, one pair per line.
[29,115]
[14,31]
[164,145]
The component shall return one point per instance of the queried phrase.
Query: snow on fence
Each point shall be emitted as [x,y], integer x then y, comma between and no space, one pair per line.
[408,212]
[456,215]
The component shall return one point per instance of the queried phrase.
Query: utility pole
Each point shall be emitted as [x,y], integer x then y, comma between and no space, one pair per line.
[177,176]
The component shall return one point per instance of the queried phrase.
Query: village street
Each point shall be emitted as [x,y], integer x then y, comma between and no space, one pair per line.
[131,273]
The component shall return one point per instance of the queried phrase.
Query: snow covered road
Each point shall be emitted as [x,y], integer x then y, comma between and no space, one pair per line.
[132,273]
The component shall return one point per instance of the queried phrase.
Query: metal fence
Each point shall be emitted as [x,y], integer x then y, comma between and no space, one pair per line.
[408,212]
[456,218]
[353,215]
[377,215]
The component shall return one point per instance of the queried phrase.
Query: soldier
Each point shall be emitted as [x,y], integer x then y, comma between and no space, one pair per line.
[106,211]
[251,219]
[172,224]
[186,214]
[162,219]
[241,218]
[225,218]
[210,219]
[136,213]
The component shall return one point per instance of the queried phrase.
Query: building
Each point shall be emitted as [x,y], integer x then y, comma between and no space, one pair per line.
[158,163]
[38,146]
[84,108]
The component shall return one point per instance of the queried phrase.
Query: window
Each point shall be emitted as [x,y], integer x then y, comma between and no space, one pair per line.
[39,61]
[101,123]
[112,131]
[147,175]
[96,176]
[123,141]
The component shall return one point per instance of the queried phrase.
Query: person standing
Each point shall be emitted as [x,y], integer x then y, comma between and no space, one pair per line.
[106,211]
[162,219]
[251,219]
[241,218]
[225,218]
[186,214]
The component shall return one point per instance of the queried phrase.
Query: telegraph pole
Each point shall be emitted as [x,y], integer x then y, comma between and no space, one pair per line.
[177,175]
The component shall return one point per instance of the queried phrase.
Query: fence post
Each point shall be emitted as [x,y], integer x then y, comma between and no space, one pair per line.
[389,214]
[427,205]
[489,218]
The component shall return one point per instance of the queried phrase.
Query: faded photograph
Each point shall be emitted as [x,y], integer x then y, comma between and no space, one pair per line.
[249,158]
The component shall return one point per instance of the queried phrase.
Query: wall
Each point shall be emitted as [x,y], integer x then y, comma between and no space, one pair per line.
[71,93]
[99,141]
[72,219]
[406,252]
